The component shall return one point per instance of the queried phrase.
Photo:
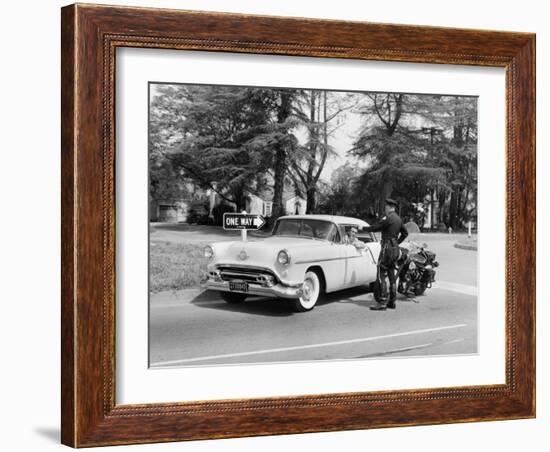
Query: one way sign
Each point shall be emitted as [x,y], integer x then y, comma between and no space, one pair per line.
[242,221]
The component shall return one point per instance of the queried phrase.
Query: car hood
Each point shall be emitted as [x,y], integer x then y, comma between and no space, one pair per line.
[264,252]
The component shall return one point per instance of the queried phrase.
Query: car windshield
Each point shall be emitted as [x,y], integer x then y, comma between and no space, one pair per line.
[314,229]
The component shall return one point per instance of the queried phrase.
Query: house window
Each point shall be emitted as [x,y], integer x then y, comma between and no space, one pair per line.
[268,206]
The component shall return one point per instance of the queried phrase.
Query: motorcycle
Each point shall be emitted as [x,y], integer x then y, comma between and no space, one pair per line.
[415,269]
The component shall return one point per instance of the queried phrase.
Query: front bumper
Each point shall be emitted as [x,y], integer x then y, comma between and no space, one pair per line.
[277,290]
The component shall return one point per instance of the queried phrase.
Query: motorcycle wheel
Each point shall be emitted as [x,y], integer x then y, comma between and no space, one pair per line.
[419,288]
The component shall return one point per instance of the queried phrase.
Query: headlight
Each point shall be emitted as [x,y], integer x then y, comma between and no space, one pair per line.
[283,257]
[418,259]
[208,252]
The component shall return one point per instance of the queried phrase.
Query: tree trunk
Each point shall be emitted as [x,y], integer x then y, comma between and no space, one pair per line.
[313,137]
[278,187]
[240,198]
[281,157]
[453,210]
[310,200]
[385,192]
[442,199]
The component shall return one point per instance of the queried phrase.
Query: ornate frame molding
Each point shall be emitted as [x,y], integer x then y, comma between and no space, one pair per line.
[90,37]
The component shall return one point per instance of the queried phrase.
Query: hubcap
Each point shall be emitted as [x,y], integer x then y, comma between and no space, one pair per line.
[308,289]
[310,292]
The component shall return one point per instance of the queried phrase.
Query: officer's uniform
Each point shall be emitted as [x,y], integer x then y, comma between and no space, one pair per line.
[393,233]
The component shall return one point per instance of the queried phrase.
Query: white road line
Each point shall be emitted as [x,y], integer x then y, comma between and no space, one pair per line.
[409,348]
[303,347]
[404,349]
[455,287]
[454,341]
[394,350]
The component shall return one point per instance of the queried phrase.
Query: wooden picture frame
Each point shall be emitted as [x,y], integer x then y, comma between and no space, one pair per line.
[90,36]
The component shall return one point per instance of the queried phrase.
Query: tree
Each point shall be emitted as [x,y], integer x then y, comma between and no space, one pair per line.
[392,151]
[456,151]
[340,199]
[232,140]
[167,109]
[282,148]
[219,141]
[317,111]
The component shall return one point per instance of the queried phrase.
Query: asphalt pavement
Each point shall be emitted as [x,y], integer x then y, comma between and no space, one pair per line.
[195,327]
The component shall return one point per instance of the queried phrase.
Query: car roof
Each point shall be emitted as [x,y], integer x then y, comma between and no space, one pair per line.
[334,218]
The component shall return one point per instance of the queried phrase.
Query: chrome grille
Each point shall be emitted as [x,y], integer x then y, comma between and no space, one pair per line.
[251,275]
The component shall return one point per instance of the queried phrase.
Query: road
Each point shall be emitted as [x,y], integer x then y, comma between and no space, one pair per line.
[194,327]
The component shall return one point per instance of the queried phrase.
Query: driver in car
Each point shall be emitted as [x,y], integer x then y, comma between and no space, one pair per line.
[351,238]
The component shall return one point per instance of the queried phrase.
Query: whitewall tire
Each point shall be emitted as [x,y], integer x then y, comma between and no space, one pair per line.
[311,293]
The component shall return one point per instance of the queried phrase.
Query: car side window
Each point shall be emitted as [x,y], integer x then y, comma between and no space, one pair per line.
[367,237]
[342,233]
[334,235]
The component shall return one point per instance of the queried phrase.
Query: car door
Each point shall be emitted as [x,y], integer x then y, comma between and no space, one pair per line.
[373,249]
[360,263]
[334,264]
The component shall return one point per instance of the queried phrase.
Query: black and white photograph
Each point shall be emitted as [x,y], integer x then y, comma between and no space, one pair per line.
[292,224]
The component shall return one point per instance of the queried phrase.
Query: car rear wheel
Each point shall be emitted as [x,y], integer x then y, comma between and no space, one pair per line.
[311,292]
[233,297]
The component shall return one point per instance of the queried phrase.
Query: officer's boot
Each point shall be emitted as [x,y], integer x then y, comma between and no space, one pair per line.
[392,297]
[381,305]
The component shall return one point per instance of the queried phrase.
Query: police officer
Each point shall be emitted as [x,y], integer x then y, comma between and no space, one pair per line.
[393,233]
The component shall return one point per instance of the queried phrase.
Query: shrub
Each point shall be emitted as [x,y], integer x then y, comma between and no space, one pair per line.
[198,212]
[219,210]
[412,227]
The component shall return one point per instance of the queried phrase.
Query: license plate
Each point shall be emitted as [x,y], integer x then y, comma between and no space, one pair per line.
[241,286]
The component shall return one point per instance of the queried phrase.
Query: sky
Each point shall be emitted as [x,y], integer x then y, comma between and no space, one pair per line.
[342,141]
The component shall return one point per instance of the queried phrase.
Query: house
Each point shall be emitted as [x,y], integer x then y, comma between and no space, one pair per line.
[200,203]
[262,203]
[170,209]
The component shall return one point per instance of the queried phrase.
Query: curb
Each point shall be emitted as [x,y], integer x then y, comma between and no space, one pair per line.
[465,246]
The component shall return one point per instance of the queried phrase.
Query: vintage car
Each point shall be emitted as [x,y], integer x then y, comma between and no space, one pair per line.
[305,257]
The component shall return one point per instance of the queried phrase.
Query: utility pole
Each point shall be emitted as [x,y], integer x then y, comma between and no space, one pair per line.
[432,132]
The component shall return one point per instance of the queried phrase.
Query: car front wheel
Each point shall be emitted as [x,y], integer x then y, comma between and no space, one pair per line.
[311,292]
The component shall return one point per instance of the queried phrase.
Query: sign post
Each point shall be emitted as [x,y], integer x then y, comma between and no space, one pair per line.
[244,231]
[243,222]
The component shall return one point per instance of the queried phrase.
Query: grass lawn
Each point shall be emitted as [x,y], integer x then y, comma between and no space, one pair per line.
[176,266]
